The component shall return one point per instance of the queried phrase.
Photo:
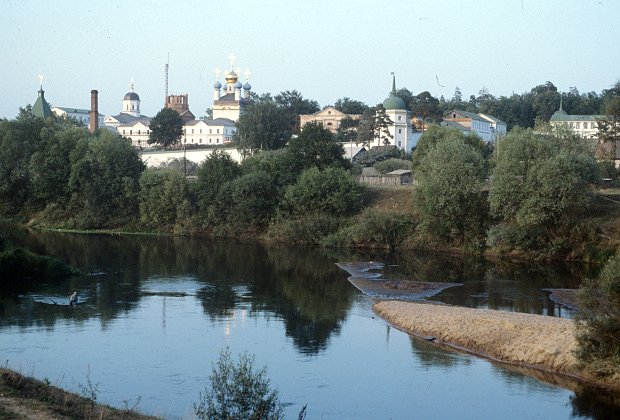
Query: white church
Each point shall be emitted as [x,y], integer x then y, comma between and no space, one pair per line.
[229,102]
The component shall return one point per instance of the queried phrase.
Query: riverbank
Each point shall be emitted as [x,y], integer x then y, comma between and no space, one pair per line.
[24,397]
[541,342]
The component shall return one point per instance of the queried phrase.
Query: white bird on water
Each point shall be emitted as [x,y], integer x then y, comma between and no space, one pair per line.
[73,298]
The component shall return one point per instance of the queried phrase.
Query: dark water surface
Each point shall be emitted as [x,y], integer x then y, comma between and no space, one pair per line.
[156,312]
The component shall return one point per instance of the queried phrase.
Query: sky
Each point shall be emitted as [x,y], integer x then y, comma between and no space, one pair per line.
[326,50]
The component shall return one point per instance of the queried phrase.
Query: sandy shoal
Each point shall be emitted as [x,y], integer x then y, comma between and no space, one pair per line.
[531,340]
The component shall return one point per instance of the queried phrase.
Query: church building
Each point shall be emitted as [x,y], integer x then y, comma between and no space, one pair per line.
[402,132]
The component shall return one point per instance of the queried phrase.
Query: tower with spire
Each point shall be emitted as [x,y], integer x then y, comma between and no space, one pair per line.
[400,127]
[41,108]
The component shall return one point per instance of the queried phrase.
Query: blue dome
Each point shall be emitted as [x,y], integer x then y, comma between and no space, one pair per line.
[217,85]
[238,85]
[247,86]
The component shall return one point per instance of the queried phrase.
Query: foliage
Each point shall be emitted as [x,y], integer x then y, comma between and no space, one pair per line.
[166,128]
[238,391]
[350,106]
[263,126]
[425,106]
[104,181]
[50,166]
[247,201]
[380,153]
[315,146]
[382,124]
[19,139]
[331,191]
[392,164]
[609,129]
[598,329]
[295,105]
[183,166]
[449,198]
[348,130]
[20,263]
[213,172]
[436,134]
[541,184]
[372,229]
[306,229]
[162,194]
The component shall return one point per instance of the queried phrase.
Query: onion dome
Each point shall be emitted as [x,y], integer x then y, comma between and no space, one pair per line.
[393,101]
[247,86]
[231,77]
[238,85]
[217,85]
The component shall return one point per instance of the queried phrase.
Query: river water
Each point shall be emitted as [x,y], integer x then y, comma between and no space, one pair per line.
[155,312]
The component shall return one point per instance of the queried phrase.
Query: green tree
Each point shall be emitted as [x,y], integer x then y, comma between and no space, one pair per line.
[296,105]
[436,134]
[217,169]
[50,166]
[247,201]
[347,130]
[541,185]
[381,126]
[392,164]
[104,181]
[598,329]
[19,140]
[350,106]
[166,128]
[315,146]
[163,193]
[449,198]
[609,130]
[425,106]
[263,126]
[331,191]
[238,391]
[545,101]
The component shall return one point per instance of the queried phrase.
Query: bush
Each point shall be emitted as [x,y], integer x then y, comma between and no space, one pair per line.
[598,327]
[392,164]
[20,263]
[162,192]
[310,229]
[238,391]
[373,229]
[332,191]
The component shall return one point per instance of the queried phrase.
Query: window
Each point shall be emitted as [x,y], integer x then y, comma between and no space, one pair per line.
[138,132]
[130,132]
[210,140]
[210,131]
[399,118]
[577,125]
[399,131]
[123,131]
[201,131]
[218,131]
[200,141]
[192,131]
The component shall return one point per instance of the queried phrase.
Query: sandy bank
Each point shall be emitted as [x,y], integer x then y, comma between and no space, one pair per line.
[537,341]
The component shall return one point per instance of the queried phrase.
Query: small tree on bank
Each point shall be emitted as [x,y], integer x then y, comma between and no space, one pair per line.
[238,391]
[166,128]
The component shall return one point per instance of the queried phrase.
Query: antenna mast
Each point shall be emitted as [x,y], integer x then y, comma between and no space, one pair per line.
[166,78]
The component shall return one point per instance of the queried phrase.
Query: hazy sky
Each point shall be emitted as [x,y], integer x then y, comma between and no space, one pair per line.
[325,49]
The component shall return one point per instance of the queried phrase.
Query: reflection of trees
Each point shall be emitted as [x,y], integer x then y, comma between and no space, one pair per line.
[595,403]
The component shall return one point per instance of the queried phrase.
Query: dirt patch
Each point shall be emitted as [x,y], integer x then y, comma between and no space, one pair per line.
[394,198]
[26,398]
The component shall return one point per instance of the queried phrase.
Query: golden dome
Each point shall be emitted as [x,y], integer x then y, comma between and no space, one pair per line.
[231,77]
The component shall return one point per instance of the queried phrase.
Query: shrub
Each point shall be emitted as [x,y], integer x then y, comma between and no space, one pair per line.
[331,191]
[392,164]
[310,229]
[238,391]
[162,192]
[598,327]
[20,263]
[373,229]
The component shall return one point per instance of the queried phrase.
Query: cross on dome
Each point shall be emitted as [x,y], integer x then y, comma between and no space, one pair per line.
[247,75]
[41,80]
[217,72]
[231,59]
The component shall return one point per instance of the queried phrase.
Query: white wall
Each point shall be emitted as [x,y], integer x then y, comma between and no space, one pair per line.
[152,158]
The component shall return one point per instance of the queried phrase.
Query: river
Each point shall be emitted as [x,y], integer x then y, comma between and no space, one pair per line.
[155,312]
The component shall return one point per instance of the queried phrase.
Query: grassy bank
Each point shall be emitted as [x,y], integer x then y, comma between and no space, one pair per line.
[22,397]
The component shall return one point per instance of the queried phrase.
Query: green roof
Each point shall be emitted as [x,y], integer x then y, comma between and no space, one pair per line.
[565,117]
[393,101]
[41,108]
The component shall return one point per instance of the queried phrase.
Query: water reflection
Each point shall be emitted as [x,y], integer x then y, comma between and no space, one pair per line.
[303,289]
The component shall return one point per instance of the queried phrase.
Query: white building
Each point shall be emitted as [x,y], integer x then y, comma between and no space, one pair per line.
[498,127]
[129,123]
[208,132]
[468,122]
[584,125]
[80,115]
[401,130]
